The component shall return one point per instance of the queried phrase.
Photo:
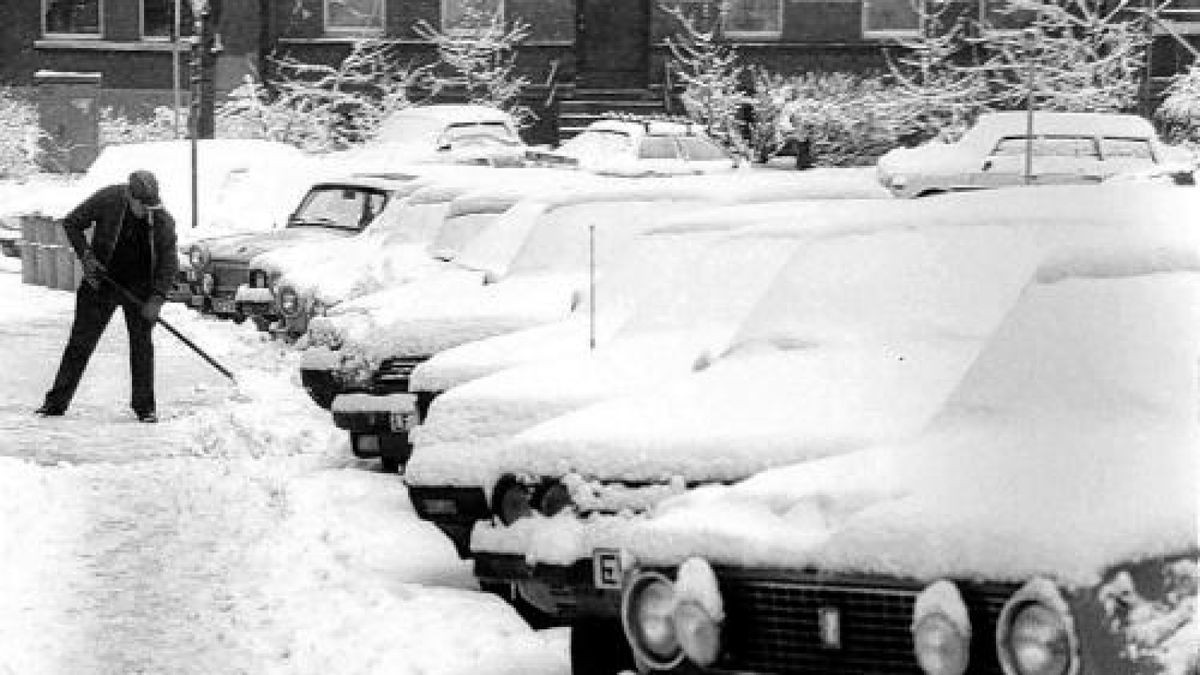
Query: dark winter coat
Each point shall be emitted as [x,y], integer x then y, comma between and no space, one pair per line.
[105,210]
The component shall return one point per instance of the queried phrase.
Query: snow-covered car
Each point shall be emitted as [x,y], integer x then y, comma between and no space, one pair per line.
[330,210]
[1044,524]
[10,237]
[669,303]
[438,133]
[860,342]
[640,147]
[414,237]
[538,251]
[1065,148]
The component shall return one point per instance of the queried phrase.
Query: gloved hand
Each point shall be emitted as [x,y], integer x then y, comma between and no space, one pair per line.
[93,270]
[151,308]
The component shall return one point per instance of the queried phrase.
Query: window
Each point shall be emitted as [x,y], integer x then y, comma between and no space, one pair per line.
[1048,146]
[1126,148]
[354,17]
[76,18]
[658,147]
[697,149]
[158,18]
[469,16]
[754,18]
[891,18]
[1001,16]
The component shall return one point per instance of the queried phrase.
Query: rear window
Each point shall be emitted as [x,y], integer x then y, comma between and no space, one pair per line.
[1048,146]
[699,149]
[658,147]
[1126,148]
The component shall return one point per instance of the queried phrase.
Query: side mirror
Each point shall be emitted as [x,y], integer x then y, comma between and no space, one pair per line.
[987,165]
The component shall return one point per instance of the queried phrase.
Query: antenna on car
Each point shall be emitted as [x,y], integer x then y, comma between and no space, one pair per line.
[592,286]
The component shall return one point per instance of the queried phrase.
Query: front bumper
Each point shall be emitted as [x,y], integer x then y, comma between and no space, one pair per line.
[256,302]
[378,425]
[455,510]
[564,592]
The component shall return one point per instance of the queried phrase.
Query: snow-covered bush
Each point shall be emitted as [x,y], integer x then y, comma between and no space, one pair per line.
[117,127]
[322,107]
[1180,110]
[478,59]
[18,134]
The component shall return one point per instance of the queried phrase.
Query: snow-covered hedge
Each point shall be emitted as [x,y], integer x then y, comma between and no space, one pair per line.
[1180,110]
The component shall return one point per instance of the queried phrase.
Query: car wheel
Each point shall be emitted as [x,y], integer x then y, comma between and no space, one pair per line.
[598,647]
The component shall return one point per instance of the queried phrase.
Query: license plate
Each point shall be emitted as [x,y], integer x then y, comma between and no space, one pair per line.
[367,443]
[606,568]
[196,301]
[440,507]
[223,305]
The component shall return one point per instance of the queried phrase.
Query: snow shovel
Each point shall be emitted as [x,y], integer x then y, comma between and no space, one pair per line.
[130,297]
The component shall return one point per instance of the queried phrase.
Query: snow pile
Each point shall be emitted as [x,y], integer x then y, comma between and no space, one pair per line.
[352,559]
[1165,631]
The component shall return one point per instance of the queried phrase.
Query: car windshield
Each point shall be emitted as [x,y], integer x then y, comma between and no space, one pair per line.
[597,143]
[340,207]
[476,132]
[698,149]
[658,147]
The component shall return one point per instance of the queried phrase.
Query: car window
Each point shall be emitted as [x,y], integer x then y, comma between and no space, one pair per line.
[339,207]
[456,132]
[1047,146]
[1126,148]
[658,147]
[699,149]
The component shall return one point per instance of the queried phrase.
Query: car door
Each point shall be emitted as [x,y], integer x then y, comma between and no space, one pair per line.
[1004,165]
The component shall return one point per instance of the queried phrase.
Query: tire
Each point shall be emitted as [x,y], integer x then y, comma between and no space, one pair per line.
[598,647]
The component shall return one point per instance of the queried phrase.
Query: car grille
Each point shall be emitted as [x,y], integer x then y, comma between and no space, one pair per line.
[229,275]
[394,373]
[773,624]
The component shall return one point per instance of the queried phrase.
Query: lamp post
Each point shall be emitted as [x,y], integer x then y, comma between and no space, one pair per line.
[199,18]
[1029,38]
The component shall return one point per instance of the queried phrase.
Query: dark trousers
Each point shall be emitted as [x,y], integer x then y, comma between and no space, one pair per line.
[93,309]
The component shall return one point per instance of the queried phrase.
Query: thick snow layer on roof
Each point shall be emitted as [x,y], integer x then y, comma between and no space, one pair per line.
[1081,407]
[869,320]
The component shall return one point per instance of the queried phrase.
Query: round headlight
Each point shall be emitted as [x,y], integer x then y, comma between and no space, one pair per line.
[940,648]
[554,499]
[289,302]
[1037,641]
[208,284]
[699,633]
[647,614]
[511,500]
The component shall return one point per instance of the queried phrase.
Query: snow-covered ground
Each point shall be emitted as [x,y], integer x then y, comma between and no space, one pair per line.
[232,537]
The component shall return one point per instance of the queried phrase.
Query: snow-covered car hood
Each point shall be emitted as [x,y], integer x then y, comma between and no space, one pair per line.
[1070,447]
[243,247]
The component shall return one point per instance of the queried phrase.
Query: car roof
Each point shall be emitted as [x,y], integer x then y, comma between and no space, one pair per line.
[363,181]
[1068,123]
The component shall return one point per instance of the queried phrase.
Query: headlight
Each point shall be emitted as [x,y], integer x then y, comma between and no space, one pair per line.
[289,302]
[258,279]
[699,633]
[554,499]
[511,500]
[1035,635]
[208,284]
[647,614]
[940,648]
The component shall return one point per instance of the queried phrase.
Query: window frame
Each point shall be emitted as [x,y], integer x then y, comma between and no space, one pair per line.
[463,32]
[986,28]
[47,34]
[185,30]
[751,34]
[354,31]
[869,33]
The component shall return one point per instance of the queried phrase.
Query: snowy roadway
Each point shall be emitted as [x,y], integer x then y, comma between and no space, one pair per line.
[233,537]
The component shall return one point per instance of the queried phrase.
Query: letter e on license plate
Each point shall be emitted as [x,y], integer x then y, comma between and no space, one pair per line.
[606,568]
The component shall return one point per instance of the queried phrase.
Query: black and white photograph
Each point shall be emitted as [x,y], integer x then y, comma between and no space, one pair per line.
[599,337]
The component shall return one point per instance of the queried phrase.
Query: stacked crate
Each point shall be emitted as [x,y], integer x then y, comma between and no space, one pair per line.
[46,255]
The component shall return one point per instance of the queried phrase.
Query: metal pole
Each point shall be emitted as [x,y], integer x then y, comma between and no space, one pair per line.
[592,286]
[178,96]
[194,108]
[1030,41]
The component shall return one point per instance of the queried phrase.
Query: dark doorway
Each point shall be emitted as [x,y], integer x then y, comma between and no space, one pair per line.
[612,39]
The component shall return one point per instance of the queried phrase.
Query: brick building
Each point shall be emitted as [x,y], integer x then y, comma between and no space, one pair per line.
[578,50]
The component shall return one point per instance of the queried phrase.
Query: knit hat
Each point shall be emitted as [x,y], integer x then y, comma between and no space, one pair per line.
[143,186]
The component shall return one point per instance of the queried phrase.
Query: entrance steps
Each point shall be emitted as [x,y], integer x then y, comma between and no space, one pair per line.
[588,105]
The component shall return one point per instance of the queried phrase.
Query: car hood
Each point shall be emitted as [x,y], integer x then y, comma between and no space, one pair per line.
[246,246]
